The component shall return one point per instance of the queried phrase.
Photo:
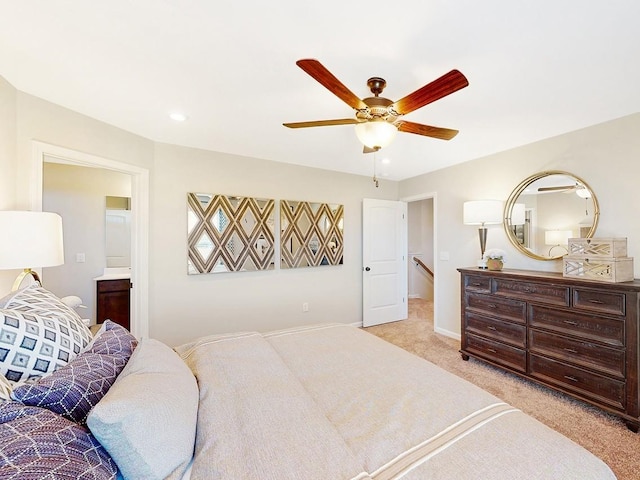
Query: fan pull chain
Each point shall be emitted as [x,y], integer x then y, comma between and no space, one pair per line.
[375,179]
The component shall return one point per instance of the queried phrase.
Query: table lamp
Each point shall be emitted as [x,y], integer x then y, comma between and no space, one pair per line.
[30,240]
[482,212]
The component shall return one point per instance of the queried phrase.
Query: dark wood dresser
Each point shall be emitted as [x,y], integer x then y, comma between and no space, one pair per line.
[576,336]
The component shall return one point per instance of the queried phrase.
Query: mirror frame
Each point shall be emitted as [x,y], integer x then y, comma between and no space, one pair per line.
[515,194]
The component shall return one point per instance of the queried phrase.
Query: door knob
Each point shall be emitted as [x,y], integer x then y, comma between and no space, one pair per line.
[367,269]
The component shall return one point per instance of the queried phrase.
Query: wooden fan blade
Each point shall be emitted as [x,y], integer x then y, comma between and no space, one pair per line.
[322,123]
[314,68]
[426,130]
[551,189]
[443,86]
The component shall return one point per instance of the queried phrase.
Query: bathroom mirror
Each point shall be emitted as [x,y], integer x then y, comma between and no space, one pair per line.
[118,231]
[548,208]
[312,234]
[229,233]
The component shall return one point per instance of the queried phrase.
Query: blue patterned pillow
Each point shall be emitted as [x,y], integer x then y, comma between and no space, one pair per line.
[113,339]
[38,334]
[33,345]
[74,389]
[36,443]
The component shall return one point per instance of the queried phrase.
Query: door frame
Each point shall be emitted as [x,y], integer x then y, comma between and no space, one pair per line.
[139,218]
[436,276]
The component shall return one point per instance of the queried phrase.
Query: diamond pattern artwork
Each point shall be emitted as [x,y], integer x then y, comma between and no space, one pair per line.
[312,234]
[37,443]
[229,234]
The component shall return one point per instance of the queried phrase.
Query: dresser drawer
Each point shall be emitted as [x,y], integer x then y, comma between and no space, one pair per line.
[477,283]
[612,303]
[607,360]
[531,291]
[511,357]
[507,332]
[602,389]
[503,307]
[588,327]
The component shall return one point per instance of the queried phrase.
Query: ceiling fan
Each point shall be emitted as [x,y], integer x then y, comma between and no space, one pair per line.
[378,119]
[561,188]
[581,190]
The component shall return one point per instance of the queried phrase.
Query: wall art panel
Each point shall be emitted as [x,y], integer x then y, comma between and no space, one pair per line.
[229,234]
[312,234]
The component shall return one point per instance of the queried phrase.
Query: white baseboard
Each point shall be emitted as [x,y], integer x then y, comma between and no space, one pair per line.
[447,333]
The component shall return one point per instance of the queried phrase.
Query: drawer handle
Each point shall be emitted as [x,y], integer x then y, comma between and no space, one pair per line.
[477,284]
[599,302]
[492,305]
[491,327]
[571,322]
[570,350]
[573,379]
[492,350]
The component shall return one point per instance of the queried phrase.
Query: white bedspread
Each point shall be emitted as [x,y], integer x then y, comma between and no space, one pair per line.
[334,402]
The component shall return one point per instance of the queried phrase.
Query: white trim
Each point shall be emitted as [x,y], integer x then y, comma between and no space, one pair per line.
[139,218]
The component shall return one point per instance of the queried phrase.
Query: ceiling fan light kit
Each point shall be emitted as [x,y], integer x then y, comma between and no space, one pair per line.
[376,134]
[378,118]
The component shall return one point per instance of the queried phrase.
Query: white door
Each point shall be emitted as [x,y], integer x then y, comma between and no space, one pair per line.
[384,262]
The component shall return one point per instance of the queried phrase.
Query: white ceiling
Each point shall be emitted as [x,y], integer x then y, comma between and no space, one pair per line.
[536,69]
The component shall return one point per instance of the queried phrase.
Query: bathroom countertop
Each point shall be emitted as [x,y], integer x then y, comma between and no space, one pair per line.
[114,274]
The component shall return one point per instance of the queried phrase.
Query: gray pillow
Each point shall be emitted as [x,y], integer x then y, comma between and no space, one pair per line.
[147,420]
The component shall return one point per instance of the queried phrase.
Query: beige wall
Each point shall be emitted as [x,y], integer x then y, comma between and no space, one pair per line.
[606,156]
[78,195]
[184,306]
[8,158]
[45,122]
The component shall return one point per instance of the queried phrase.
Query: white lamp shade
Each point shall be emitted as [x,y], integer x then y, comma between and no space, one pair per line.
[482,212]
[30,240]
[376,133]
[557,237]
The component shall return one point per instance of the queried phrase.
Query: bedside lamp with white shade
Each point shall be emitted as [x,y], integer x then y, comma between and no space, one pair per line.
[482,212]
[30,240]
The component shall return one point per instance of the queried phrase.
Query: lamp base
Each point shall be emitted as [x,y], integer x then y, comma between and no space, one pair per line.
[482,263]
[25,273]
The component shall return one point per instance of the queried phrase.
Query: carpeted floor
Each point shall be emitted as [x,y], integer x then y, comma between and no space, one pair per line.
[603,434]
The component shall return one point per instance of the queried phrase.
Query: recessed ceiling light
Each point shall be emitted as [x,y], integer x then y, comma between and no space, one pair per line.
[177,116]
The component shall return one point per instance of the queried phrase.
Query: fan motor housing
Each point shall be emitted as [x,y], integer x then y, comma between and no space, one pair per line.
[377,108]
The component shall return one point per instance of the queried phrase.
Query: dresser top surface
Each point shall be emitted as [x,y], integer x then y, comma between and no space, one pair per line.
[555,277]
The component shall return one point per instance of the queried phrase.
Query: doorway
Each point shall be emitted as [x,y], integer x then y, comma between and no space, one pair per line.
[81,196]
[43,152]
[421,247]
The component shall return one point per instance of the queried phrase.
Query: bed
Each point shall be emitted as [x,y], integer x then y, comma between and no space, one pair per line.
[322,402]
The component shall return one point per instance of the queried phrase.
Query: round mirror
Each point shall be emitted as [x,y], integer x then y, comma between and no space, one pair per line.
[547,209]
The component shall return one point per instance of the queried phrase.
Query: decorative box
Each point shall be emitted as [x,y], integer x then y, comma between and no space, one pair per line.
[593,248]
[604,269]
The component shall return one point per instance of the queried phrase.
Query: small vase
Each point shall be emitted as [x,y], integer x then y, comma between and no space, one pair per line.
[494,264]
